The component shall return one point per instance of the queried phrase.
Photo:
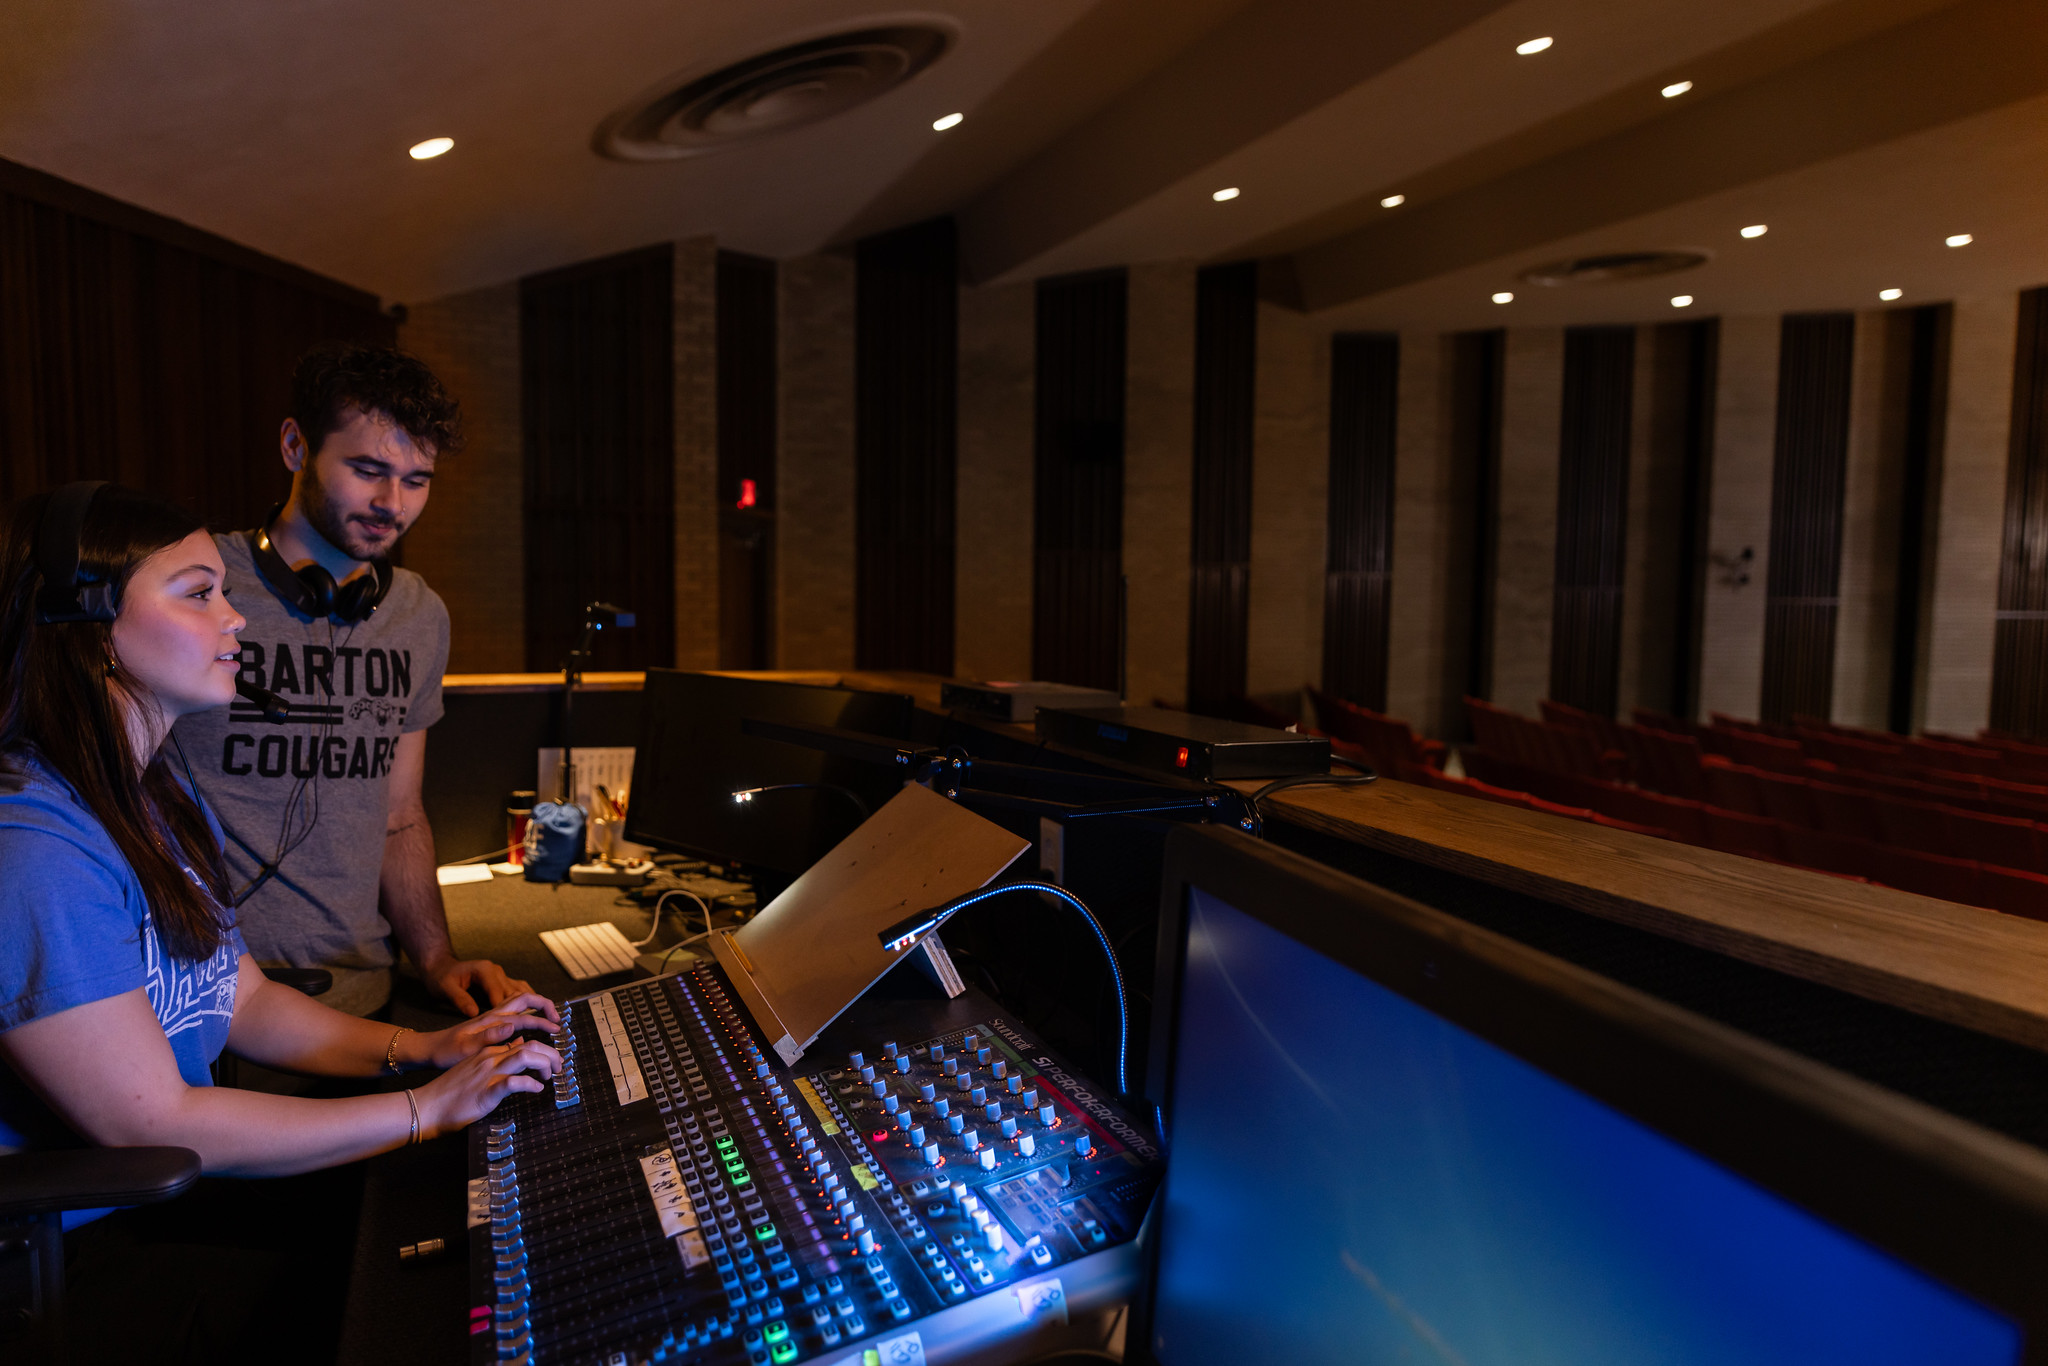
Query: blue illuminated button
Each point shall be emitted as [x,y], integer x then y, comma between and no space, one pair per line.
[1041,1255]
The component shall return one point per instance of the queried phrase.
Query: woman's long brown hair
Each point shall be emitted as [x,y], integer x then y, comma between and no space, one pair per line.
[62,700]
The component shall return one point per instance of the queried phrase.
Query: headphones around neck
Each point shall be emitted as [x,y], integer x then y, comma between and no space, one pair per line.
[311,589]
[67,593]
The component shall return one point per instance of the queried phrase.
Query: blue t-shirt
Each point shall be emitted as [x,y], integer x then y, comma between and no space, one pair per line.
[75,927]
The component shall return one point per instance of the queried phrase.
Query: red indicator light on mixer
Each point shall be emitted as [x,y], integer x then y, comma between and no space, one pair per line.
[747,495]
[1180,760]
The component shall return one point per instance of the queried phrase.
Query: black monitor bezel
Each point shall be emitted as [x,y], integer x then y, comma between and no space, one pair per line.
[1967,1206]
[795,759]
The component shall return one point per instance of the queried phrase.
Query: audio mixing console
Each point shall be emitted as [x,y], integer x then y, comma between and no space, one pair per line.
[680,1195]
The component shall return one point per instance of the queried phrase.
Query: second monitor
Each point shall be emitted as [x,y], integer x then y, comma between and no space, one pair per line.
[694,755]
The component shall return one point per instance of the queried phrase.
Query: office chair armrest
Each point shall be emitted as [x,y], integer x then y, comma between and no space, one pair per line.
[87,1178]
[311,981]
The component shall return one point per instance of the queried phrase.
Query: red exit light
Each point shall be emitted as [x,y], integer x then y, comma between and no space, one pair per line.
[746,494]
[1180,760]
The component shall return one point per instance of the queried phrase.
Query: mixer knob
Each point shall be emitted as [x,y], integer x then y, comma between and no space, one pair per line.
[942,1108]
[931,1154]
[867,1074]
[926,1091]
[938,1052]
[889,1050]
[1031,1099]
[1026,1144]
[1045,1114]
[854,1059]
[994,1109]
[889,1103]
[981,1217]
[969,1140]
[964,1081]
[999,1068]
[1083,1144]
[981,1055]
[760,1069]
[903,1063]
[1013,1083]
[951,1067]
[988,1159]
[967,1042]
[881,1088]
[902,1117]
[1009,1127]
[854,1222]
[917,1135]
[956,1123]
[866,1243]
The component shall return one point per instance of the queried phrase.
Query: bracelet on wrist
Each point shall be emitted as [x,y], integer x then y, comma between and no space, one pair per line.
[413,1105]
[391,1050]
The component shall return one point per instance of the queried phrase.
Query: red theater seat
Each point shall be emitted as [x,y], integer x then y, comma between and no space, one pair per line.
[1910,870]
[2014,892]
[1732,832]
[1731,786]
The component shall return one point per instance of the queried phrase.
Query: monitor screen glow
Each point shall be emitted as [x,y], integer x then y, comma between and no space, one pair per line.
[1356,1179]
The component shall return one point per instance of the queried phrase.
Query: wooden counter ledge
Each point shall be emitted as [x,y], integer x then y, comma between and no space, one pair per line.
[1960,964]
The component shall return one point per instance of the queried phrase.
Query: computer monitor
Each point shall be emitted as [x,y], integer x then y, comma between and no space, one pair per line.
[1394,1137]
[693,755]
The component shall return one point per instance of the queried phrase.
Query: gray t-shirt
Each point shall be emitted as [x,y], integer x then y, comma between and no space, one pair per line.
[317,786]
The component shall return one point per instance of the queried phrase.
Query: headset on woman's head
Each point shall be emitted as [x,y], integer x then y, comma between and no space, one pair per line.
[68,594]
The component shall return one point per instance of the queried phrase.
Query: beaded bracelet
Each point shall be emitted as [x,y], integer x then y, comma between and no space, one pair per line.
[391,1049]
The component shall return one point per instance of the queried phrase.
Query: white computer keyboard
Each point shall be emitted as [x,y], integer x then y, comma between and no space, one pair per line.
[587,951]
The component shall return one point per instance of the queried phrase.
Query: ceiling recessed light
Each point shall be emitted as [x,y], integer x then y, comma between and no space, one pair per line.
[1890,294]
[1681,301]
[432,147]
[1675,89]
[1393,201]
[1503,298]
[1961,239]
[950,121]
[1755,230]
[1222,195]
[1533,46]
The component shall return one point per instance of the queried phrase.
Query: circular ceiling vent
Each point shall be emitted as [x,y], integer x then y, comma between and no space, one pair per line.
[1614,267]
[771,93]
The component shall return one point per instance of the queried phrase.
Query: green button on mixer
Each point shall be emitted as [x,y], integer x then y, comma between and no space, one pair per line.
[775,1332]
[783,1352]
[765,1232]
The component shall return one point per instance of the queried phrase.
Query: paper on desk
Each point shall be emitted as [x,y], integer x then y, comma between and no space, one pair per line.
[448,874]
[816,948]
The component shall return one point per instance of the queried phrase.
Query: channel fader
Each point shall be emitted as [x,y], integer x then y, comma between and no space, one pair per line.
[678,1195]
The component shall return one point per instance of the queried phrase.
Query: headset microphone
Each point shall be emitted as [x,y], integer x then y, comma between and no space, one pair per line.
[275,709]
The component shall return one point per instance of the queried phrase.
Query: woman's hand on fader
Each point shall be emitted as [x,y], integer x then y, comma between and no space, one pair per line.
[471,1089]
[500,1024]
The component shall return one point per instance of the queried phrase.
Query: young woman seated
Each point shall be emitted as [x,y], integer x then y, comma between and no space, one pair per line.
[122,972]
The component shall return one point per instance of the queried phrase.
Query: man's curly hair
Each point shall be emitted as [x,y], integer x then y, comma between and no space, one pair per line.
[334,378]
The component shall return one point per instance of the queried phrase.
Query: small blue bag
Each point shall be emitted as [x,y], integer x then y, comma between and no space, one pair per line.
[554,841]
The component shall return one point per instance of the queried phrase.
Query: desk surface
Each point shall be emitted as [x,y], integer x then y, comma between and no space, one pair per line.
[1960,964]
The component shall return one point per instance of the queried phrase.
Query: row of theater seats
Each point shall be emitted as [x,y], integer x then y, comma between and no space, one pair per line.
[1978,837]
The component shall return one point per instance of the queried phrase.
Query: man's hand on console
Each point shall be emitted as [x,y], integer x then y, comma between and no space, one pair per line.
[455,978]
[444,1048]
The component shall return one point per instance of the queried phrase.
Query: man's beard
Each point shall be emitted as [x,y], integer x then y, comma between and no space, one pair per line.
[333,525]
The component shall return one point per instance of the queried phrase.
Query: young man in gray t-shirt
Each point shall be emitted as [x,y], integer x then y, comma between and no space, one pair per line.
[328,848]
